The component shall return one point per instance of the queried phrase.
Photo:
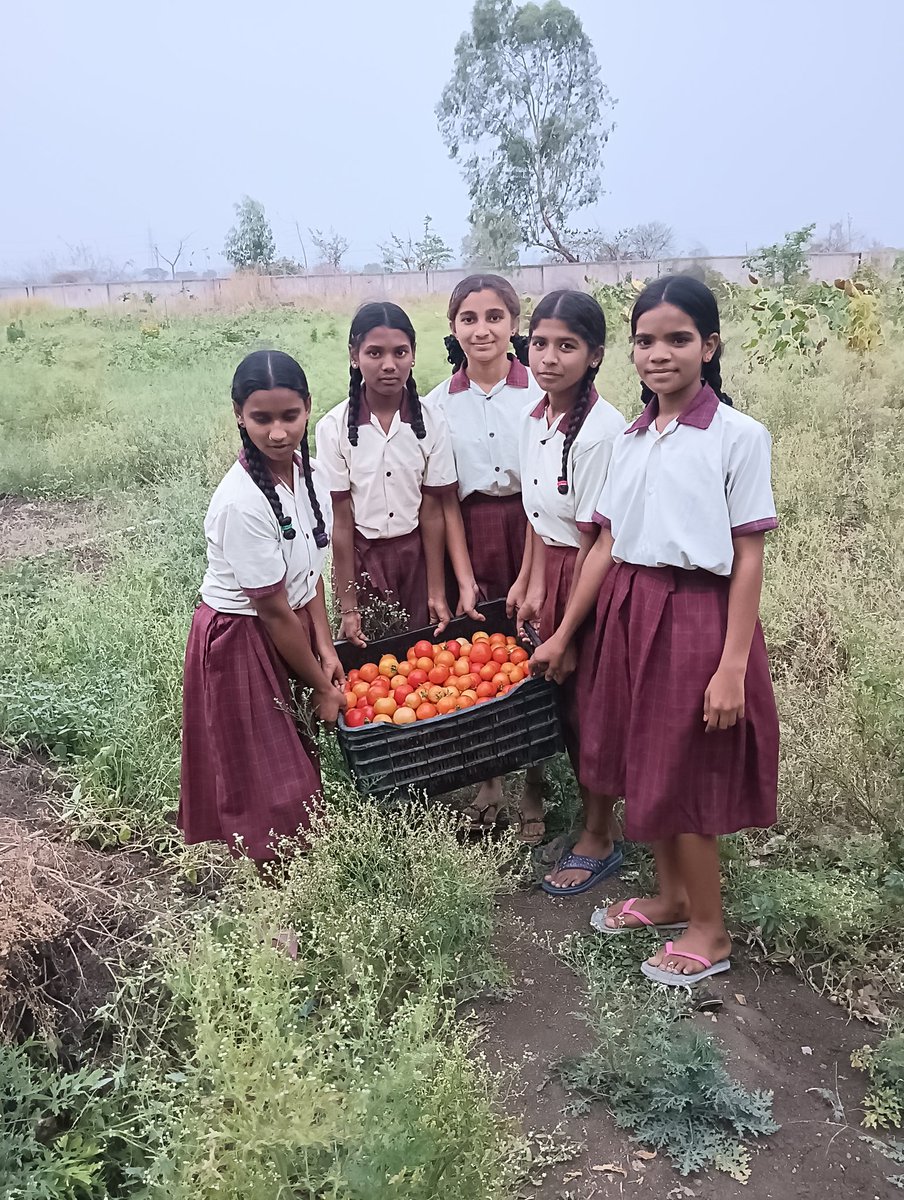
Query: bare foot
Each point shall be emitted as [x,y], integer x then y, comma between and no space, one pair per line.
[592,845]
[654,908]
[712,943]
[483,811]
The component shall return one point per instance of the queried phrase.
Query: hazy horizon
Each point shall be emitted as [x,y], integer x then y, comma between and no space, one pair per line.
[732,125]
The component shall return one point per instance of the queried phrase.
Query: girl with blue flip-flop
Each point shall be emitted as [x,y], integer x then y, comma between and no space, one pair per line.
[564,449]
[675,671]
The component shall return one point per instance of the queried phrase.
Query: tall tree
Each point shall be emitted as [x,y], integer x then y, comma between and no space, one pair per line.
[653,239]
[524,116]
[330,246]
[492,241]
[428,253]
[250,245]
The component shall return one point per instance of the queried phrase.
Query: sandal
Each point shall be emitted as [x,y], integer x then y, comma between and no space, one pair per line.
[598,920]
[599,868]
[483,819]
[675,978]
[538,825]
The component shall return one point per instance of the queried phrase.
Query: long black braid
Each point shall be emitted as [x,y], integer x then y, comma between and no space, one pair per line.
[695,299]
[374,316]
[264,370]
[355,380]
[579,411]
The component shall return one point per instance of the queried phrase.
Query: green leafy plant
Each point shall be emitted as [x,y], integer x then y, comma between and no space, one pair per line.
[784,261]
[883,1106]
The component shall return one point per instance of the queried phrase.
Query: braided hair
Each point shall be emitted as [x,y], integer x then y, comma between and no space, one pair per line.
[378,315]
[262,371]
[483,283]
[695,299]
[581,314]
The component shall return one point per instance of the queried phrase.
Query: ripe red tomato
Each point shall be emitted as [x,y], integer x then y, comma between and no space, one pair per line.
[400,694]
[486,690]
[454,647]
[423,649]
[487,671]
[354,718]
[417,678]
[425,711]
[501,654]
[369,712]
[480,654]
[438,675]
[518,655]
[369,672]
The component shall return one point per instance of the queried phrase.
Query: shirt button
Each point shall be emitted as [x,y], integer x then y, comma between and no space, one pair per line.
[492,435]
[310,573]
[536,514]
[496,469]
[536,482]
[650,491]
[392,514]
[388,473]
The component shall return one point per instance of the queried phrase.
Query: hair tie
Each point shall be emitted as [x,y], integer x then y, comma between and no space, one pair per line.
[287,531]
[321,540]
[562,485]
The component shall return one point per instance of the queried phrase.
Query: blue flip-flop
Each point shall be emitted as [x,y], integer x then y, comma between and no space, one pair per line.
[599,868]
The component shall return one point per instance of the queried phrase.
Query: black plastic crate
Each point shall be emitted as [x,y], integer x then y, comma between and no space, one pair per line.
[456,749]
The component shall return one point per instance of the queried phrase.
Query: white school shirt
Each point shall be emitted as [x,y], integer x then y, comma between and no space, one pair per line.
[556,518]
[247,556]
[677,498]
[387,473]
[485,427]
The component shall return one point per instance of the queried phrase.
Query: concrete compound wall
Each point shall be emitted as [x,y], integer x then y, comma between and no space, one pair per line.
[355,288]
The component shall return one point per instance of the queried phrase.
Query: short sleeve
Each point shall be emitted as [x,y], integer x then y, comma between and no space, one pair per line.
[588,469]
[602,513]
[330,457]
[439,473]
[748,483]
[252,548]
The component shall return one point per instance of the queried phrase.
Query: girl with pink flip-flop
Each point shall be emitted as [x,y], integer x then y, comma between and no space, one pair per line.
[676,669]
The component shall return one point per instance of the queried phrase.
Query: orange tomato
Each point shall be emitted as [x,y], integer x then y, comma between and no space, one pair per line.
[425,711]
[388,668]
[435,693]
[518,655]
[464,647]
[411,656]
[486,690]
[517,674]
[510,641]
[470,694]
[385,706]
[369,672]
[454,647]
[469,681]
[381,719]
[360,688]
[398,681]
[404,716]
[425,664]
[405,668]
[352,676]
[412,700]
[480,654]
[423,649]
[377,693]
[452,684]
[444,658]
[487,671]
[497,639]
[507,668]
[447,704]
[505,689]
[480,636]
[461,666]
[501,654]
[500,680]
[417,677]
[438,675]
[350,699]
[466,701]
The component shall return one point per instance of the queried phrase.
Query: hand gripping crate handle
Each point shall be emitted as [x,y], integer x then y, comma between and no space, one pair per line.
[530,636]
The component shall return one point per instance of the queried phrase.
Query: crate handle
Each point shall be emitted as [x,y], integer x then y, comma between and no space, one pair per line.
[530,637]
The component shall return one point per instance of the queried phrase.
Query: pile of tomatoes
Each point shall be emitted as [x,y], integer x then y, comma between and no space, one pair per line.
[434,680]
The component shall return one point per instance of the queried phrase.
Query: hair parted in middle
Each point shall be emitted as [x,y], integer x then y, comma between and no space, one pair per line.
[376,315]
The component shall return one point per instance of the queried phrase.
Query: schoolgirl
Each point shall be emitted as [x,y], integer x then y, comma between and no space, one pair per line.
[565,443]
[482,402]
[389,460]
[249,775]
[676,671]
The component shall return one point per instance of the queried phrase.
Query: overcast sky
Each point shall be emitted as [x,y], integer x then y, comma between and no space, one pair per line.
[735,121]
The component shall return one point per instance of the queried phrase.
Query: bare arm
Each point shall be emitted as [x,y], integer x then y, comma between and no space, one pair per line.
[457,546]
[535,596]
[723,703]
[553,659]
[326,651]
[291,641]
[344,570]
[518,590]
[433,537]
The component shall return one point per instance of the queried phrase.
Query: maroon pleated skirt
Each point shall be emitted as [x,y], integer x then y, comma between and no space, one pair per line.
[249,775]
[394,569]
[655,646]
[558,563]
[495,527]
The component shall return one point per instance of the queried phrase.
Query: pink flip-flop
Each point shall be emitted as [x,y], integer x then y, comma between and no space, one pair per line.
[598,920]
[675,978]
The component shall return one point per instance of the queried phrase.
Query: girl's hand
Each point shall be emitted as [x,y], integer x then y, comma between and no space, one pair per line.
[350,628]
[333,669]
[439,613]
[554,660]
[327,702]
[529,611]
[468,597]
[723,702]
[515,598]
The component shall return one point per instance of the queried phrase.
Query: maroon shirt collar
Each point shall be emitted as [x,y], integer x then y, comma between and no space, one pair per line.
[540,409]
[364,413]
[517,377]
[699,413]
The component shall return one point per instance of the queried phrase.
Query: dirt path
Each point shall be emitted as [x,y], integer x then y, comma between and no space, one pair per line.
[810,1156]
[30,528]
